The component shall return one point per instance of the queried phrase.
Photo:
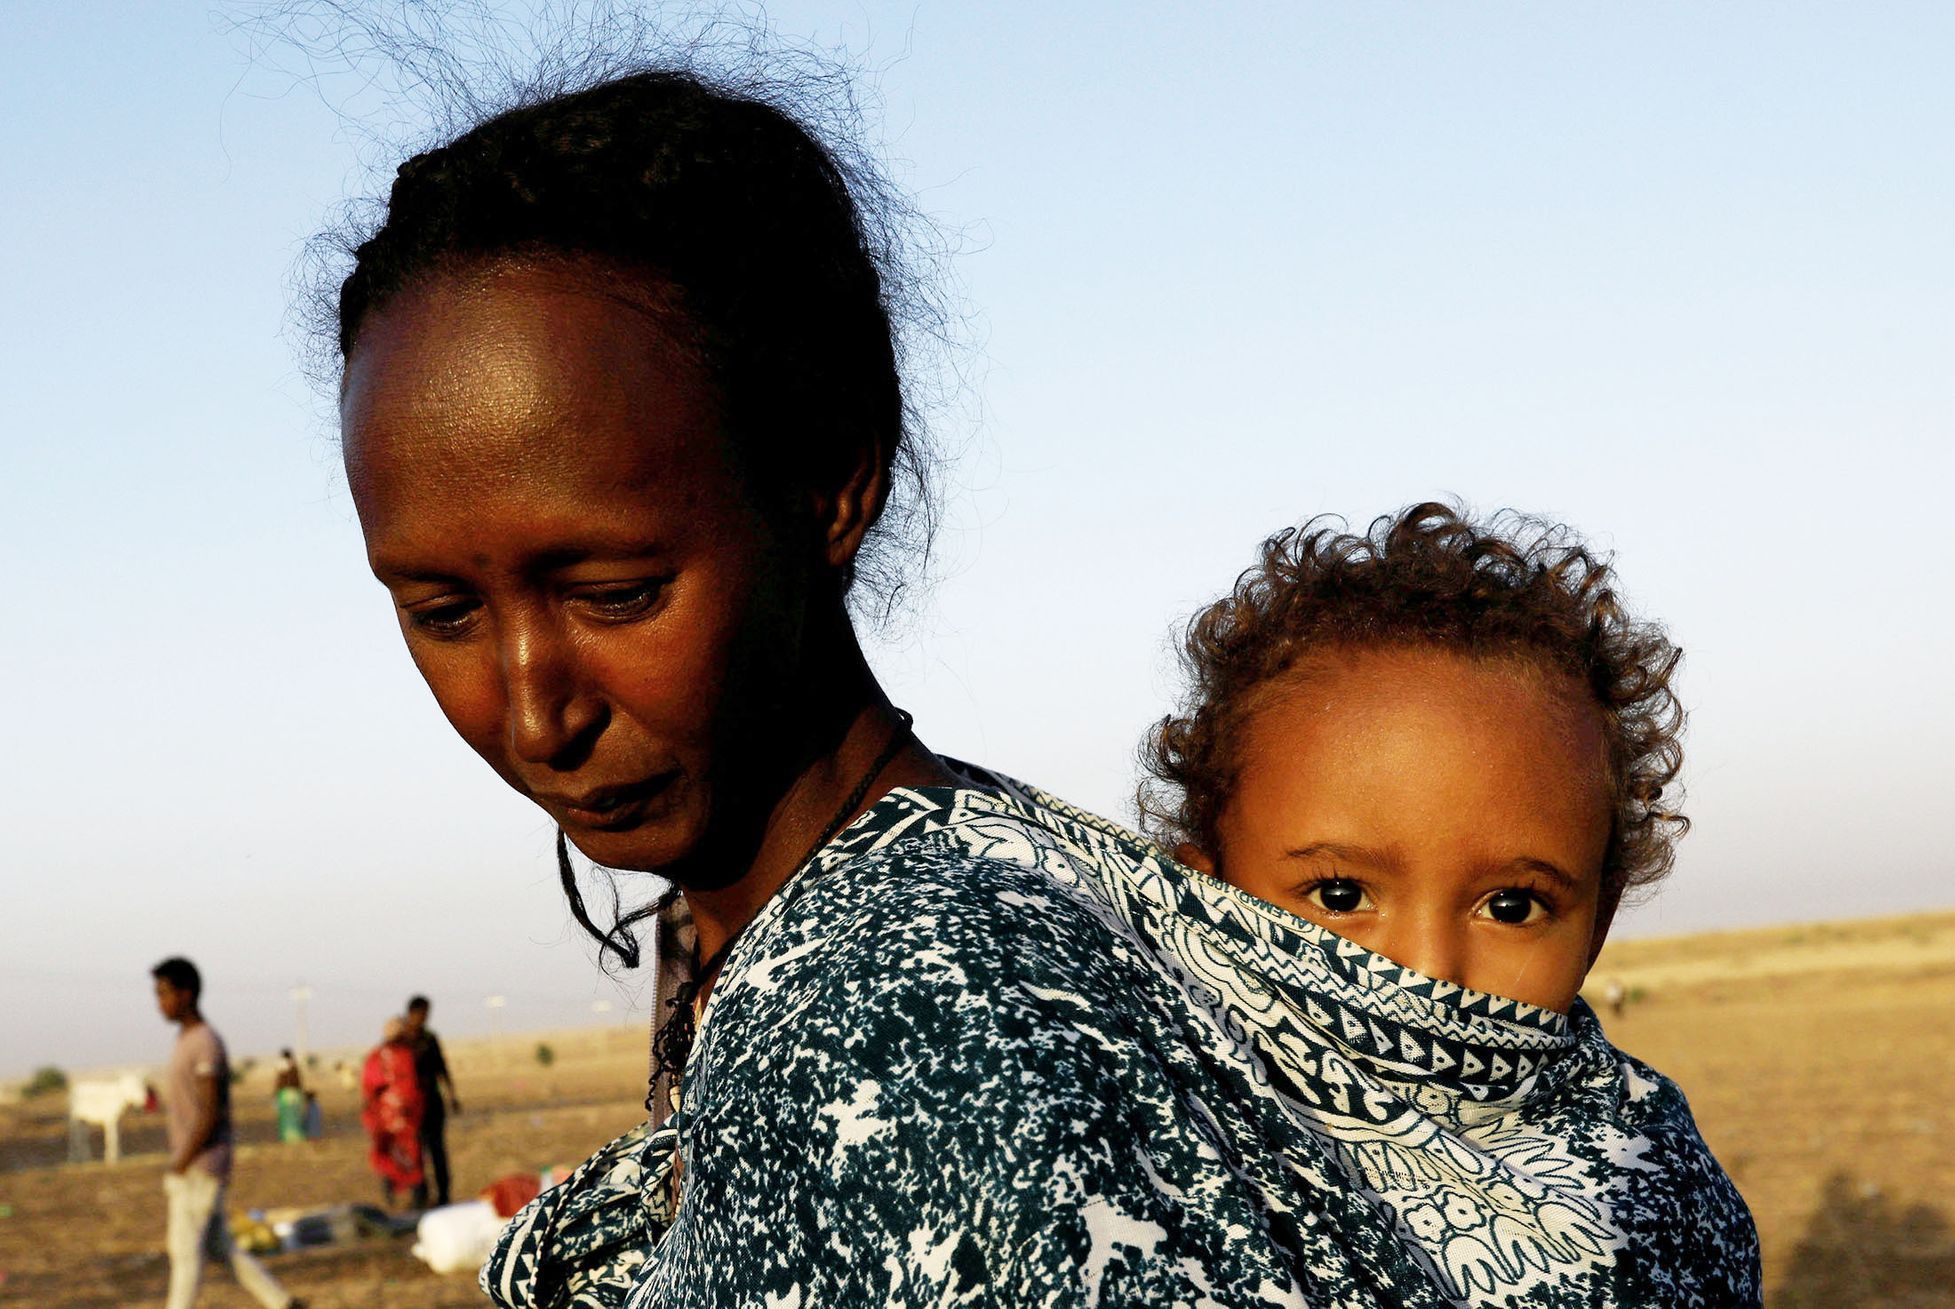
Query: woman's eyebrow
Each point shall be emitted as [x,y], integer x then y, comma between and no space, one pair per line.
[392,574]
[1362,855]
[547,560]
[565,556]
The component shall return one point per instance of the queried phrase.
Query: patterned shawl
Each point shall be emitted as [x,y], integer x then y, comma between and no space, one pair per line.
[988,1049]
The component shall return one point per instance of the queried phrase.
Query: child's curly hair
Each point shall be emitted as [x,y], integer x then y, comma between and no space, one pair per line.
[1429,576]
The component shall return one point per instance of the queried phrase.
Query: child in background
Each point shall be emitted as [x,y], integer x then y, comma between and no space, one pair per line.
[1446,742]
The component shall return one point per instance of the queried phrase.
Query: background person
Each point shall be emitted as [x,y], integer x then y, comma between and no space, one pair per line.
[289,1098]
[431,1071]
[197,1126]
[391,1110]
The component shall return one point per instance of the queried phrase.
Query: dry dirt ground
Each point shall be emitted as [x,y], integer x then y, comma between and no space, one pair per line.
[1820,1063]
[90,1236]
[1819,1060]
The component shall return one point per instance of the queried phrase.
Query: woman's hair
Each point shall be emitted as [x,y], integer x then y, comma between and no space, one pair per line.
[773,259]
[780,257]
[1508,587]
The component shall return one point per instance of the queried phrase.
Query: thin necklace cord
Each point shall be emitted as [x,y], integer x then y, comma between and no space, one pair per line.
[672,1039]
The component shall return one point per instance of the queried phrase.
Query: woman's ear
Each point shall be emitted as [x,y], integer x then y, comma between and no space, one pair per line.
[846,513]
[1194,857]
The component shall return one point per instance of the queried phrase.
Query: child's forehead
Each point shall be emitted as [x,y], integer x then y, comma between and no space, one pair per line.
[1370,696]
[1455,757]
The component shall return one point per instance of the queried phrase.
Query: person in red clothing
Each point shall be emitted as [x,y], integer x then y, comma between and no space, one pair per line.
[393,1108]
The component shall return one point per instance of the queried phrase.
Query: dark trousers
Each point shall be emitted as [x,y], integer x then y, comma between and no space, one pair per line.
[434,1153]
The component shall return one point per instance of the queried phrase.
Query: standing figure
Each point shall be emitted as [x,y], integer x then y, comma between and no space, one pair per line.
[289,1098]
[197,1123]
[1617,996]
[431,1070]
[391,1096]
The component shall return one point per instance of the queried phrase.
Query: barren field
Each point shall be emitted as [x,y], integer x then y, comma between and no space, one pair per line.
[1819,1060]
[90,1236]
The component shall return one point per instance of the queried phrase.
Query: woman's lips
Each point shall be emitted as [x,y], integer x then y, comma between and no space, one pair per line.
[607,808]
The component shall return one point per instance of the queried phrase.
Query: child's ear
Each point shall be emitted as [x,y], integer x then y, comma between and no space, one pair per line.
[1194,857]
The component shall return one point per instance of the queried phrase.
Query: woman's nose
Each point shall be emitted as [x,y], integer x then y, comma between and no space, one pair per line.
[552,716]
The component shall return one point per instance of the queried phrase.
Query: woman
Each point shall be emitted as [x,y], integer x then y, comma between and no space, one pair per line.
[391,1105]
[621,413]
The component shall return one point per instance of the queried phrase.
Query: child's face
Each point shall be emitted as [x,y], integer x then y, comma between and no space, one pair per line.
[1448,812]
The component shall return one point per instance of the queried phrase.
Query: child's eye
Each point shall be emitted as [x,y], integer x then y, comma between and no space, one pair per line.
[1337,895]
[1514,906]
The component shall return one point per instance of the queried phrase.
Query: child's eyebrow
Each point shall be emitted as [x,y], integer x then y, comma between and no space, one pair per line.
[1387,861]
[1567,881]
[1367,856]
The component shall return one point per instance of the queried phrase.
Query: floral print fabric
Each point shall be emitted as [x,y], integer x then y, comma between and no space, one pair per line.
[989,1050]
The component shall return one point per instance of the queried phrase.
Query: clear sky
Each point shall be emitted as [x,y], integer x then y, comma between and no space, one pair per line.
[1681,275]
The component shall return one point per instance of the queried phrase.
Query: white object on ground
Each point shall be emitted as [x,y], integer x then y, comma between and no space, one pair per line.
[457,1237]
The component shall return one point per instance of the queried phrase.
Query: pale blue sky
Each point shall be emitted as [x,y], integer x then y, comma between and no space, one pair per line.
[1679,274]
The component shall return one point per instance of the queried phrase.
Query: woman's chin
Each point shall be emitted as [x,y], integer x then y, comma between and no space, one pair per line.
[649,847]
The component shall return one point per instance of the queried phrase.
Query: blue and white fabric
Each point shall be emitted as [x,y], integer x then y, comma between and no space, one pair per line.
[988,1050]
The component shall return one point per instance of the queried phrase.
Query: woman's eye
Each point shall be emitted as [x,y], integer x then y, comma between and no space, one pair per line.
[449,619]
[1514,906]
[622,601]
[1337,895]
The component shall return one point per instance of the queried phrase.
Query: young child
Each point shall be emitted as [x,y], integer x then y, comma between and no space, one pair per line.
[1447,742]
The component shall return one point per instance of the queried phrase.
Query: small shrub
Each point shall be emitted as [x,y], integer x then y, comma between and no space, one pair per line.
[45,1081]
[544,1054]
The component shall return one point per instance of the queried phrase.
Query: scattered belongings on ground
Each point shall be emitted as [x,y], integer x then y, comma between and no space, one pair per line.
[457,1238]
[454,1238]
[303,1229]
[509,1194]
[253,1235]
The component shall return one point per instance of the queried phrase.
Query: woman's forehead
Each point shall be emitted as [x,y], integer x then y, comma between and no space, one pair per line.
[524,373]
[514,341]
[526,409]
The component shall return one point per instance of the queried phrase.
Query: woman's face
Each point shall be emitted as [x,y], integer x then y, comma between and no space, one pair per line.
[1448,812]
[582,569]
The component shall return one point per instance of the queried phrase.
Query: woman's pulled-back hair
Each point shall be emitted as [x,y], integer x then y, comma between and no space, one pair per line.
[717,208]
[1511,587]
